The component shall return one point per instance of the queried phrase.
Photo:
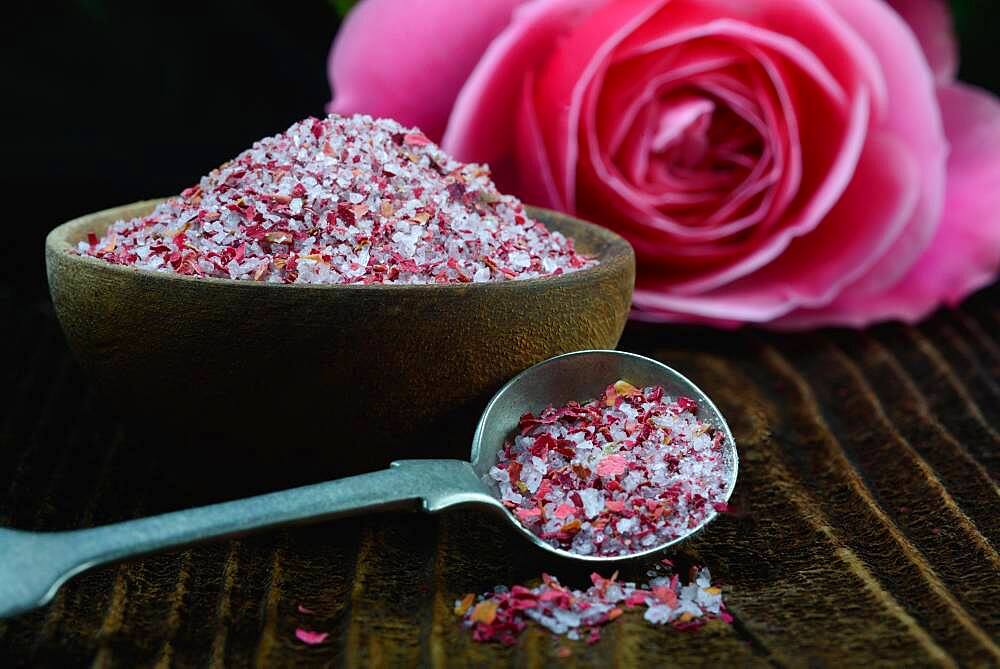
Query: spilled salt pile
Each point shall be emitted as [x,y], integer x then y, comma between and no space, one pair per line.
[503,614]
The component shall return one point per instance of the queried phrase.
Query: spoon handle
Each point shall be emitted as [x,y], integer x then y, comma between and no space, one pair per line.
[33,565]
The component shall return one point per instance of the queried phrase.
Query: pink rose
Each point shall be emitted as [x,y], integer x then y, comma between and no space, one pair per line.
[789,162]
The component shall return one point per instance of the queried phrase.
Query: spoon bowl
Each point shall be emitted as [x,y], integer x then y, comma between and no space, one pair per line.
[580,376]
[36,564]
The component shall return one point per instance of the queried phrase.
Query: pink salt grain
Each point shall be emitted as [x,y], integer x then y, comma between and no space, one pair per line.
[614,476]
[342,200]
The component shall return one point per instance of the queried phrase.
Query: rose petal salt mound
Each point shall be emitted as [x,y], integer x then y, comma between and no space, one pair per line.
[342,200]
[614,476]
[503,614]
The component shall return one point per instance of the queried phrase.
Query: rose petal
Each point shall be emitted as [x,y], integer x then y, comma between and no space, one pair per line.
[808,32]
[853,78]
[310,637]
[655,315]
[527,515]
[564,80]
[678,117]
[564,510]
[481,126]
[534,182]
[931,21]
[830,171]
[611,465]
[906,113]
[633,83]
[863,225]
[912,116]
[619,140]
[408,60]
[965,252]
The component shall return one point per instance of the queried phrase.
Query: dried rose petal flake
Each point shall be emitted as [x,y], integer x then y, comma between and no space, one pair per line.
[310,637]
[462,605]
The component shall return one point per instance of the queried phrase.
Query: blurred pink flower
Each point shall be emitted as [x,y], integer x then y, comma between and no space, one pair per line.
[794,163]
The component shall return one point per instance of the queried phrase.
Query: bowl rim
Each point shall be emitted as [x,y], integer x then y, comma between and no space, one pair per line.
[615,251]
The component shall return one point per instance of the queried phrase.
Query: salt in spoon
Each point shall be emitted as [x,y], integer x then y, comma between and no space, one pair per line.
[33,565]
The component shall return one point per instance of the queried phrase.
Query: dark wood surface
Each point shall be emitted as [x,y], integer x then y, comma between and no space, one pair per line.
[865,531]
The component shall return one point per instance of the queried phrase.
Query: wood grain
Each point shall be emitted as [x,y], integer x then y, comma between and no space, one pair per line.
[865,532]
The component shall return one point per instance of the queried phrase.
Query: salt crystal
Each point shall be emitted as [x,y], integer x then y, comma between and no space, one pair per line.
[626,525]
[658,614]
[593,501]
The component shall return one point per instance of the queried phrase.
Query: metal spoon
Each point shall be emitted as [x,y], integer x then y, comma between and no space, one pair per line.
[33,565]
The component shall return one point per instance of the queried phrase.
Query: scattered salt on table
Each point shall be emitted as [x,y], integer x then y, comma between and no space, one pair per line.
[579,614]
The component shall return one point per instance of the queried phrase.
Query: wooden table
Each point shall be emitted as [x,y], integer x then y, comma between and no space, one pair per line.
[865,531]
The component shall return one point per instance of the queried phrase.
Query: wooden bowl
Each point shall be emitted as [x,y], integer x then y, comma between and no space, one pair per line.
[351,376]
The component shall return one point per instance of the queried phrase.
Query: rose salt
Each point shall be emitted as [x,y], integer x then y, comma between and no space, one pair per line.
[342,200]
[503,614]
[617,475]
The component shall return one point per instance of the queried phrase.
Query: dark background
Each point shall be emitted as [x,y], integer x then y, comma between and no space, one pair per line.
[112,101]
[850,437]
